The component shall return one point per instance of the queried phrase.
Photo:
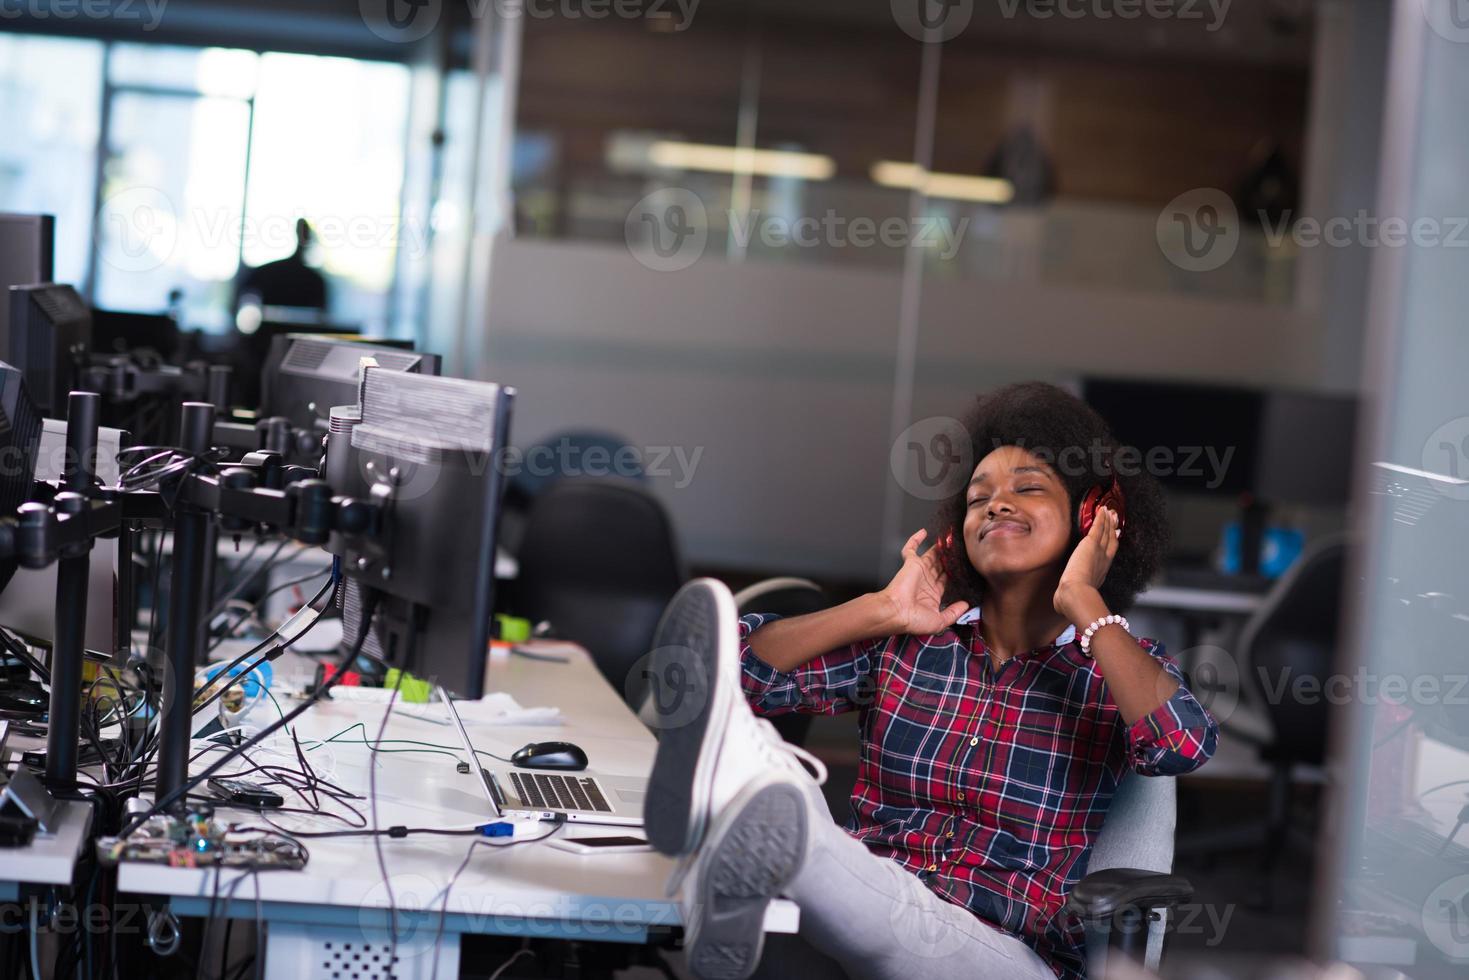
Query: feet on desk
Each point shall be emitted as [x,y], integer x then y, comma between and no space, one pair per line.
[710,745]
[753,850]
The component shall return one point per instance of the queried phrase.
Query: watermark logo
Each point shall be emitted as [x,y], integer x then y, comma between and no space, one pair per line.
[924,935]
[932,20]
[391,912]
[149,12]
[932,458]
[1446,451]
[143,226]
[1198,230]
[1446,917]
[400,21]
[1214,680]
[1448,18]
[667,230]
[835,231]
[1211,12]
[674,683]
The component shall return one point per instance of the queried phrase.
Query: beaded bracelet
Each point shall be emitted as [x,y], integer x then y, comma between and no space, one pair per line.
[1086,636]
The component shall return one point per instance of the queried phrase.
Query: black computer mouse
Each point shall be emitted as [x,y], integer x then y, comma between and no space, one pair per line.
[550,755]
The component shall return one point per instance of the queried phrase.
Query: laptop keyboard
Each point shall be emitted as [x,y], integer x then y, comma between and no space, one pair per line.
[545,791]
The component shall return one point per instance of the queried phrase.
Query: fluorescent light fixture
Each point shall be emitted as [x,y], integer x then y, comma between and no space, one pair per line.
[741,160]
[952,187]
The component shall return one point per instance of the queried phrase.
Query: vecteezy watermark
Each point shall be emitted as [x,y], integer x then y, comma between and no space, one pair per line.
[932,20]
[1367,231]
[406,21]
[932,458]
[944,20]
[1446,451]
[1198,230]
[672,684]
[833,230]
[416,903]
[668,230]
[415,464]
[144,228]
[148,12]
[1210,12]
[143,225]
[1445,917]
[1448,18]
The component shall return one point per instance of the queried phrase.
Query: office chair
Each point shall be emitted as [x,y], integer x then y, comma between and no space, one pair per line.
[784,596]
[599,562]
[1293,635]
[564,454]
[1129,889]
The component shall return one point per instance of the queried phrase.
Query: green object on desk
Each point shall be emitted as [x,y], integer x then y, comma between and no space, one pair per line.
[513,629]
[410,688]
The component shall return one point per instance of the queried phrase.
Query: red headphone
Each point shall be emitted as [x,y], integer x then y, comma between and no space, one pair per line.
[1099,496]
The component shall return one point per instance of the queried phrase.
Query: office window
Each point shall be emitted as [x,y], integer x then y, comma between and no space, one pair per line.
[49,90]
[328,146]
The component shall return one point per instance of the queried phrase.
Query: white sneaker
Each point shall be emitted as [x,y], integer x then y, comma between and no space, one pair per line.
[754,848]
[710,744]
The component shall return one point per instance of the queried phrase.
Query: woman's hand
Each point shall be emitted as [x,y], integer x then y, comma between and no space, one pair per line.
[1077,596]
[915,596]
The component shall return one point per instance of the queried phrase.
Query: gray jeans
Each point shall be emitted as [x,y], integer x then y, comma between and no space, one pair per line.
[872,919]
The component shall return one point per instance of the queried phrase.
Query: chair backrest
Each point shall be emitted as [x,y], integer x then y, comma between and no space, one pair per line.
[599,561]
[1294,635]
[784,596]
[1138,830]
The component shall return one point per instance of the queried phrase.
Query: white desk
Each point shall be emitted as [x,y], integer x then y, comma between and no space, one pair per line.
[1184,599]
[528,890]
[50,859]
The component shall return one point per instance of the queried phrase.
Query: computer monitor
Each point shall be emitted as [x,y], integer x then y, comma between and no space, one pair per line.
[27,245]
[117,332]
[436,443]
[1184,418]
[20,435]
[28,604]
[306,376]
[1307,441]
[50,336]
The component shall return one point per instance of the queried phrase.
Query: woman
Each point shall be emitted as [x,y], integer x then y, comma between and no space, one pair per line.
[991,744]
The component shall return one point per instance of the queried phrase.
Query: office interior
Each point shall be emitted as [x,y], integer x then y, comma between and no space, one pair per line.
[742,266]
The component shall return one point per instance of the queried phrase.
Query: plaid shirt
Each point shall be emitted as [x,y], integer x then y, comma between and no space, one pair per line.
[989,784]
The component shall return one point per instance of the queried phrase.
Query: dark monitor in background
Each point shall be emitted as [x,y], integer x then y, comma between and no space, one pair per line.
[306,376]
[437,441]
[1182,418]
[251,351]
[1306,446]
[27,244]
[20,438]
[28,606]
[116,332]
[50,335]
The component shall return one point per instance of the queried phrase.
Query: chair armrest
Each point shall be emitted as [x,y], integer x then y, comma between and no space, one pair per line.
[1102,894]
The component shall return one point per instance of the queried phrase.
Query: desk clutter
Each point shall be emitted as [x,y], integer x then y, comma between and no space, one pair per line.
[276,637]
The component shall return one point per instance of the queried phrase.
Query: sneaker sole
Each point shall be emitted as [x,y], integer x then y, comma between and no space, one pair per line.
[755,856]
[688,646]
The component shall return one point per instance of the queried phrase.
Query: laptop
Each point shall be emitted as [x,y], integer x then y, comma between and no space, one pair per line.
[580,797]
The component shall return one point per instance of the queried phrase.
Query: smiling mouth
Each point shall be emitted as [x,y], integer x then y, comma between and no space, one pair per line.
[1003,528]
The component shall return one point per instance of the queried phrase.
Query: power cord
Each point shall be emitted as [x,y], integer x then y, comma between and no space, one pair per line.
[369,612]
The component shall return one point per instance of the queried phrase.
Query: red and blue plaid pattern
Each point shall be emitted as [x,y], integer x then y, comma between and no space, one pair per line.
[989,784]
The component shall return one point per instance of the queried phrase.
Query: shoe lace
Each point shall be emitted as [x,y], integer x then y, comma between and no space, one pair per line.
[781,752]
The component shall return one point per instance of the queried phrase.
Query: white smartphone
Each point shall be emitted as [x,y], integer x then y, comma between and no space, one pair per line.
[624,844]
